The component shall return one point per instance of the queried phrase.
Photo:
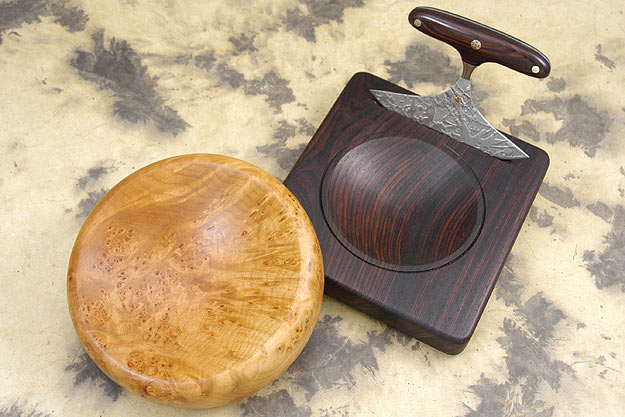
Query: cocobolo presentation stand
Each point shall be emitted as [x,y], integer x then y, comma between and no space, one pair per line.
[414,227]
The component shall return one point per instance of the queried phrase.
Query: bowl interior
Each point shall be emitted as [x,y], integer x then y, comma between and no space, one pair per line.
[403,204]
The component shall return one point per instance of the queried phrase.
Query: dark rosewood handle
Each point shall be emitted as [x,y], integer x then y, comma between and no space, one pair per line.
[478,43]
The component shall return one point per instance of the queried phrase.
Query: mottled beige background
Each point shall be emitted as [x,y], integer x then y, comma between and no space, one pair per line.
[93,90]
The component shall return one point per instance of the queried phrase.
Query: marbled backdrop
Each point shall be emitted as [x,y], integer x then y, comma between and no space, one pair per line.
[93,90]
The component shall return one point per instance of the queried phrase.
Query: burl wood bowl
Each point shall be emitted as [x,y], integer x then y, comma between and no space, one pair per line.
[196,281]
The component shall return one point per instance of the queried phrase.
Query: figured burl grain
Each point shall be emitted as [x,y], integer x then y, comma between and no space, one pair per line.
[196,281]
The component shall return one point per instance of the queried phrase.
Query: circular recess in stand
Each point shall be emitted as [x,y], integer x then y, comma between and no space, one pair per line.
[403,204]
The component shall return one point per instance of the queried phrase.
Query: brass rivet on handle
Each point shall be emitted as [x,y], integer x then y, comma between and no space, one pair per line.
[475,44]
[535,69]
[417,23]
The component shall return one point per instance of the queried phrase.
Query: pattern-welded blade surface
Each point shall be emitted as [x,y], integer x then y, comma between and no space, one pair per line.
[453,114]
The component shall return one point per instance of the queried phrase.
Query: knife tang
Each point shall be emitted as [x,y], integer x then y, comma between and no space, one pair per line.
[478,43]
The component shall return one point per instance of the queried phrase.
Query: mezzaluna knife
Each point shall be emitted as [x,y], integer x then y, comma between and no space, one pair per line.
[453,112]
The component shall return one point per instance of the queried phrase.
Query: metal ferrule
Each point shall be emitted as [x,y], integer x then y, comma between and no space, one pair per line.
[467,70]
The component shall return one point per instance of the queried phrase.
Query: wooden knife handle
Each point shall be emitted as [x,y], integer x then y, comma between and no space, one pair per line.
[478,43]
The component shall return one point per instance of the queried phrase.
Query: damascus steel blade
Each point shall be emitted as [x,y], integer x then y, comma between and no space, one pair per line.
[453,114]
